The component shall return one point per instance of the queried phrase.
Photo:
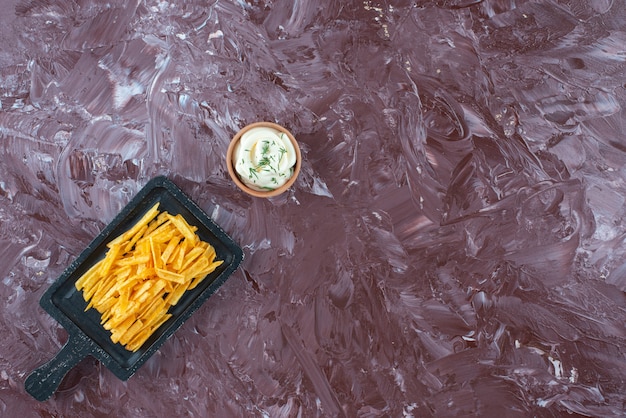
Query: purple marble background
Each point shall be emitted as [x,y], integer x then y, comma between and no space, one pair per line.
[454,245]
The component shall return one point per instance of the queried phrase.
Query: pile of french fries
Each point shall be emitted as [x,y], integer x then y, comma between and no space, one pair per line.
[145,271]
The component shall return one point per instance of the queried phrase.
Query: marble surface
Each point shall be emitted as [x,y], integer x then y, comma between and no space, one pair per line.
[453,246]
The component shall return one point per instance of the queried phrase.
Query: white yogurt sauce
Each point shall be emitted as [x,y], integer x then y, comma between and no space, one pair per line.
[264,158]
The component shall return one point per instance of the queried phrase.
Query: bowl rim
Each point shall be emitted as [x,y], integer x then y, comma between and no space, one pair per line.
[235,177]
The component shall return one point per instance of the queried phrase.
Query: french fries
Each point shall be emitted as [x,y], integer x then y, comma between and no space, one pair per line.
[145,271]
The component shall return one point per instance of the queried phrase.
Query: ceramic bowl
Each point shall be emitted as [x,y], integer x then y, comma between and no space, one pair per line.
[235,176]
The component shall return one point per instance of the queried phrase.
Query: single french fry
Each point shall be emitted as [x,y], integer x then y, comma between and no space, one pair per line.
[193,270]
[130,261]
[164,229]
[130,332]
[105,306]
[122,328]
[154,308]
[190,257]
[89,291]
[195,282]
[118,318]
[209,253]
[169,250]
[109,259]
[140,289]
[91,274]
[203,274]
[139,339]
[174,297]
[183,227]
[170,276]
[156,320]
[155,290]
[161,320]
[145,219]
[156,254]
[163,236]
[180,258]
[156,222]
[104,287]
[131,243]
[210,268]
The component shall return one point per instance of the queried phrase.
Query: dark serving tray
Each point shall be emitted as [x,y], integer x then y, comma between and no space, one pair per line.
[86,336]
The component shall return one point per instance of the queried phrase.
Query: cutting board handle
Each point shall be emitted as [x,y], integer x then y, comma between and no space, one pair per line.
[45,380]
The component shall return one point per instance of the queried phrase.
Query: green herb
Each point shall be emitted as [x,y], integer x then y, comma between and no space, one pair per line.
[253,173]
[266,148]
[282,151]
[264,161]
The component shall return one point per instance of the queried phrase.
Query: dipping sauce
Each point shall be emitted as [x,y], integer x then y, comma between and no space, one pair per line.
[264,158]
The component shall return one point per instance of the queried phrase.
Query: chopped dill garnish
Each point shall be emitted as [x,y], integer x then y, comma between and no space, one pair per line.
[282,151]
[265,163]
[253,173]
[266,147]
